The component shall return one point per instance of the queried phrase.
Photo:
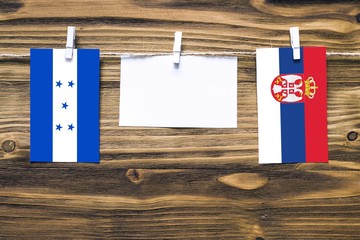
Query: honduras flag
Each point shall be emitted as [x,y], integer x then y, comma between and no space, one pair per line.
[291,94]
[64,106]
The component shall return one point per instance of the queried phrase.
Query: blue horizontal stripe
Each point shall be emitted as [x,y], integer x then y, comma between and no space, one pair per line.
[292,114]
[88,105]
[41,76]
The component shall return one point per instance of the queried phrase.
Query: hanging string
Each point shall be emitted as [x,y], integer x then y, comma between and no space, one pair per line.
[182,53]
[128,54]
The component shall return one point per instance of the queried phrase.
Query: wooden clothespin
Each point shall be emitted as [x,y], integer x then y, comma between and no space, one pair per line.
[70,42]
[177,47]
[295,42]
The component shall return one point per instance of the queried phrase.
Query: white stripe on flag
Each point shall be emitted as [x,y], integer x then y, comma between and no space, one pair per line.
[64,107]
[269,119]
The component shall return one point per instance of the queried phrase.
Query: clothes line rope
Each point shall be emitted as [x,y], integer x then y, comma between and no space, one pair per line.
[128,54]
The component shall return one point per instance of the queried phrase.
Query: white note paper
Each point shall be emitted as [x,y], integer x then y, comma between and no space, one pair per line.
[200,92]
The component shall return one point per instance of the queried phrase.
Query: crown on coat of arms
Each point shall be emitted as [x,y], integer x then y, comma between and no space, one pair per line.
[310,87]
[289,88]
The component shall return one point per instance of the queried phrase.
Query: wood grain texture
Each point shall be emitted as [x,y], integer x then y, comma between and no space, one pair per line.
[166,183]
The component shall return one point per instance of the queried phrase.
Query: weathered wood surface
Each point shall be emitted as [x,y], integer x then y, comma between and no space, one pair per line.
[180,183]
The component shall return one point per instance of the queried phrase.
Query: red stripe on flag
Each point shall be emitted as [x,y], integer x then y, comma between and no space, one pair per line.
[315,108]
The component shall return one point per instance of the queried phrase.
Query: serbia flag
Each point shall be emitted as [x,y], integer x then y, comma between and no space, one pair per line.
[292,116]
[64,106]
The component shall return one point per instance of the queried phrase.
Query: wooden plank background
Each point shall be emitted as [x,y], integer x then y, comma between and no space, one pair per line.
[180,183]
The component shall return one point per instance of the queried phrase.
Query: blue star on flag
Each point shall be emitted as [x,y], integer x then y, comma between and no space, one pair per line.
[58,84]
[65,105]
[71,83]
[58,127]
[71,126]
